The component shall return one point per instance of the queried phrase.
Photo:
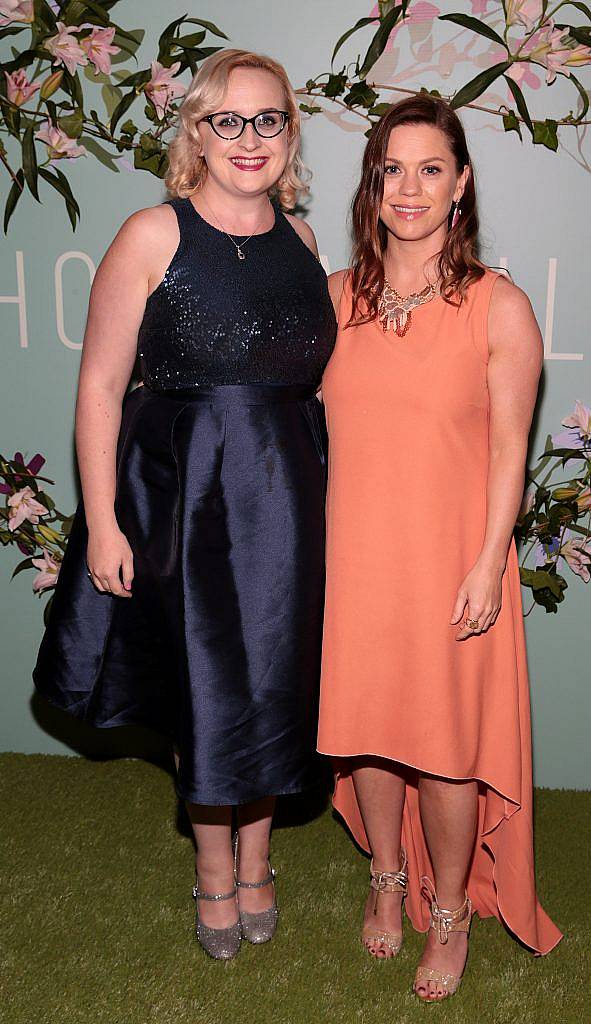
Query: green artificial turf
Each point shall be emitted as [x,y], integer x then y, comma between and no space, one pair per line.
[96,920]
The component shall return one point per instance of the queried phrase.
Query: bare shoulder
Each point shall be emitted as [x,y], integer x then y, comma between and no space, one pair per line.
[511,319]
[304,231]
[508,299]
[155,225]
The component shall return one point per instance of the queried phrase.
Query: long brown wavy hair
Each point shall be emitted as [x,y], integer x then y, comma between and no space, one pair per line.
[457,265]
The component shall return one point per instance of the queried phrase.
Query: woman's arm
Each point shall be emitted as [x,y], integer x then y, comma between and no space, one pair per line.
[140,252]
[516,356]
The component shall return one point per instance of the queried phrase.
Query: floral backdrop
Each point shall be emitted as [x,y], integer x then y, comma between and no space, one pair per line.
[71,89]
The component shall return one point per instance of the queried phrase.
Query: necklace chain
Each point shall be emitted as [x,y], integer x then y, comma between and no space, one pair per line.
[395,311]
[237,245]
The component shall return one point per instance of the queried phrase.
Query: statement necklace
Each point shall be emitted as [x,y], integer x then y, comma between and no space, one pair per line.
[238,246]
[396,311]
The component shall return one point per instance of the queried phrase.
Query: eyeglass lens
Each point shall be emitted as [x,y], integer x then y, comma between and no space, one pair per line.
[230,125]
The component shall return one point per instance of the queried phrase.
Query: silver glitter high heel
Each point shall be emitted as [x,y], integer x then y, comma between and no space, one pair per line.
[220,943]
[258,927]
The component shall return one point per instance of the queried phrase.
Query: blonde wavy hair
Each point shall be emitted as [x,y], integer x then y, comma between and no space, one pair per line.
[187,169]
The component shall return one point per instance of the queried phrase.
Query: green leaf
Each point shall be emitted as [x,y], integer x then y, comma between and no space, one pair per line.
[360,24]
[112,96]
[128,128]
[155,162]
[478,85]
[379,109]
[546,134]
[584,96]
[78,12]
[209,25]
[44,16]
[11,30]
[30,161]
[13,197]
[335,86]
[360,93]
[72,124]
[134,40]
[137,79]
[378,43]
[307,109]
[103,156]
[511,123]
[581,33]
[475,26]
[122,109]
[191,41]
[520,102]
[27,563]
[60,183]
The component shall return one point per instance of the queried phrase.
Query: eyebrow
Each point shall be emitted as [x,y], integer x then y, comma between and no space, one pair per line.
[428,160]
[263,110]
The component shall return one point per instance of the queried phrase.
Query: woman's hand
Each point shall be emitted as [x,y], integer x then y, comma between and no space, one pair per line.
[110,559]
[479,597]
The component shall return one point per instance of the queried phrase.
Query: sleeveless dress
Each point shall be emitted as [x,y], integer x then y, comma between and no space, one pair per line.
[221,479]
[408,440]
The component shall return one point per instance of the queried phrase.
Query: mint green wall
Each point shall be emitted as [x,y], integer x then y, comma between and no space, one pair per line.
[534,208]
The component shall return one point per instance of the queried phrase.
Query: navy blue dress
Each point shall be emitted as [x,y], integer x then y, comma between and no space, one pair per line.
[221,475]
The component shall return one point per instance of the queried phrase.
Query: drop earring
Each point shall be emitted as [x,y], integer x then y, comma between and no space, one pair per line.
[456,214]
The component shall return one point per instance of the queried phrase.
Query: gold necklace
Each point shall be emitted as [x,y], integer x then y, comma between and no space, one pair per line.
[396,311]
[237,245]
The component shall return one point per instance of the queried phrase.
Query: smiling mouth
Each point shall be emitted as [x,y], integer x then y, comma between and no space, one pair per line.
[246,163]
[409,212]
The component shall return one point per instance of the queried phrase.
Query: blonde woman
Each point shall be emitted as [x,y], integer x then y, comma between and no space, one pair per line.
[190,596]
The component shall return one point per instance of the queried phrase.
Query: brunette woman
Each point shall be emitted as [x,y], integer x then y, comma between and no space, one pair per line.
[424,697]
[190,596]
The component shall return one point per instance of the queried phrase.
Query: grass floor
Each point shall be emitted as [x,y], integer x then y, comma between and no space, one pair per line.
[96,919]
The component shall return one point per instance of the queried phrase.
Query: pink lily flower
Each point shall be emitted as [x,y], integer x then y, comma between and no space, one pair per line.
[580,419]
[16,10]
[576,551]
[65,49]
[98,48]
[58,143]
[23,505]
[523,74]
[48,574]
[161,89]
[524,12]
[18,87]
[565,53]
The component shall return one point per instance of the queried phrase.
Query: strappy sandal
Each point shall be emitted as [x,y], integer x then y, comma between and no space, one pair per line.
[443,922]
[386,881]
[260,926]
[220,943]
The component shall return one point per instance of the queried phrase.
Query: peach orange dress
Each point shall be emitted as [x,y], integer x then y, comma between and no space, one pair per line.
[408,432]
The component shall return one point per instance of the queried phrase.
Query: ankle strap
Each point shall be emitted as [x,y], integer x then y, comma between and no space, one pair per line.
[257,885]
[444,921]
[217,898]
[390,881]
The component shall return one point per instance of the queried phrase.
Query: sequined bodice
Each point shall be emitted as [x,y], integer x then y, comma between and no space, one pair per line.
[215,319]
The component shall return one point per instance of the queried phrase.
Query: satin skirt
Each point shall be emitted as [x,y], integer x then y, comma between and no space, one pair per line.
[220,493]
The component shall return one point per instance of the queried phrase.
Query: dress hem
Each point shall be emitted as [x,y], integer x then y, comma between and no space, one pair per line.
[502,916]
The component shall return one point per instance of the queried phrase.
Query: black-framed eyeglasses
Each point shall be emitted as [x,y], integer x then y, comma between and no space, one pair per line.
[267,124]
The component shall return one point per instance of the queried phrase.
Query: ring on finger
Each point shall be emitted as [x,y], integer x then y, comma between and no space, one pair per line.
[472,623]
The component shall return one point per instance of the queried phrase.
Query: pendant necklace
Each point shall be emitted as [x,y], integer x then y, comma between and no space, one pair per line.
[237,245]
[396,311]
